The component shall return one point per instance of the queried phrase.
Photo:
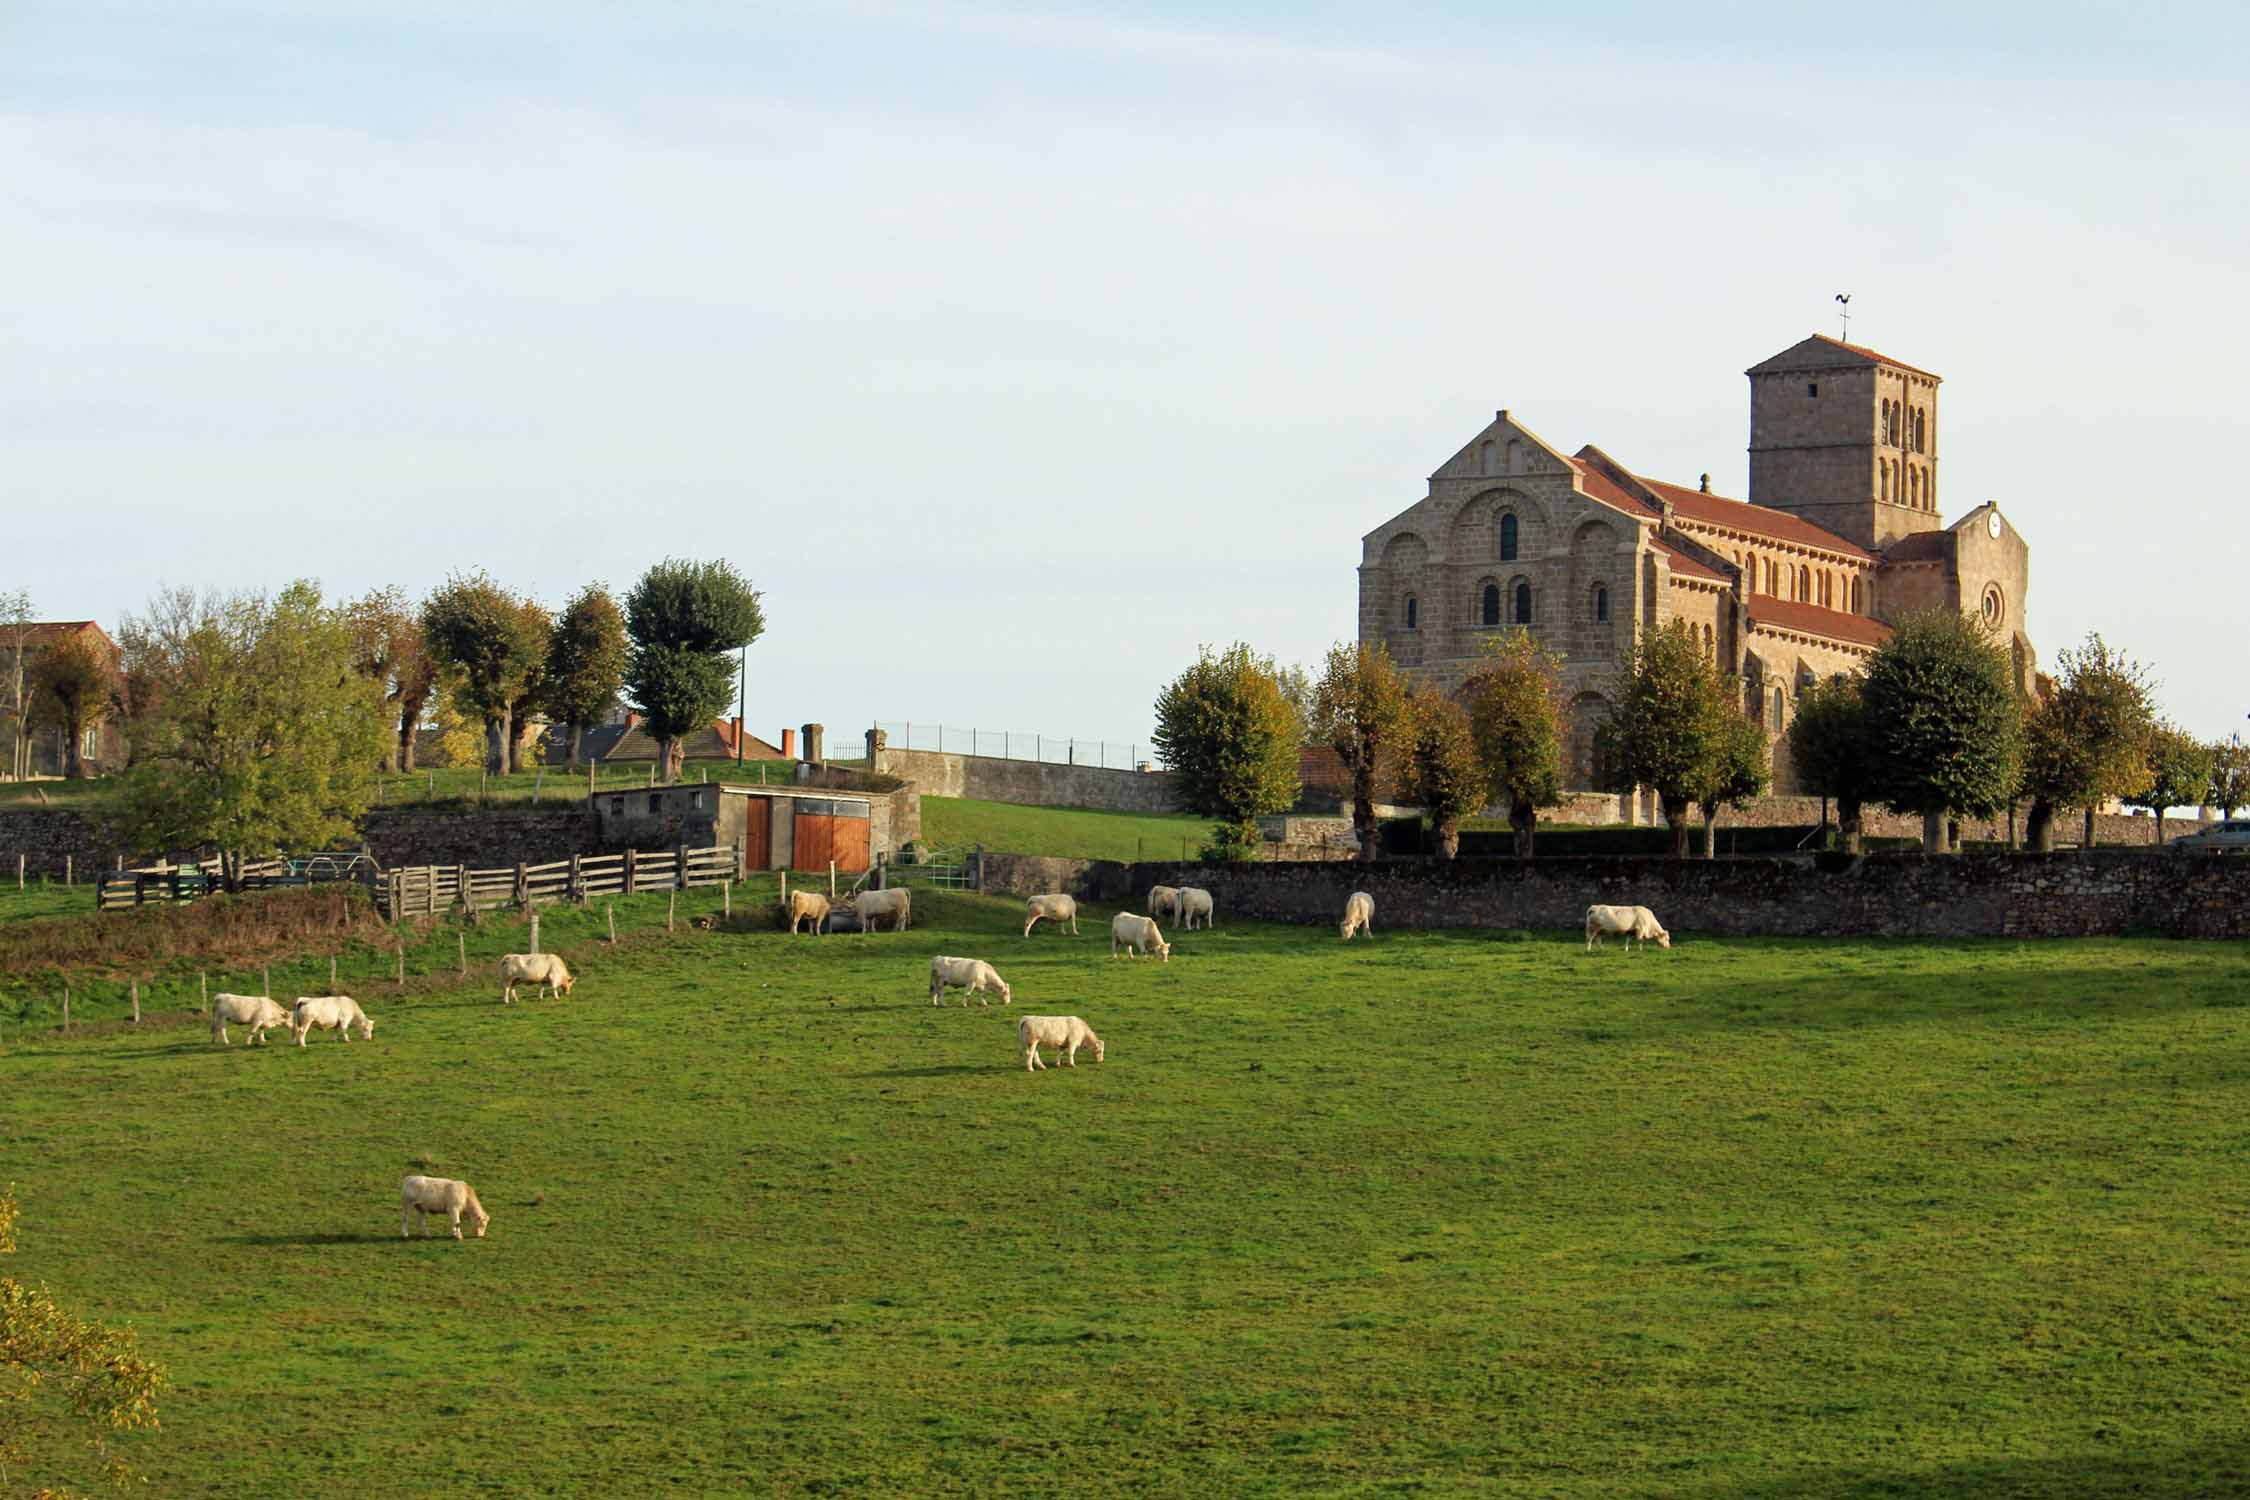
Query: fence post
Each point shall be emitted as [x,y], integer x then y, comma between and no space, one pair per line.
[461,946]
[203,987]
[523,886]
[631,877]
[726,899]
[1007,744]
[265,977]
[671,905]
[612,909]
[402,963]
[331,973]
[66,1005]
[832,880]
[577,883]
[679,868]
[535,930]
[980,869]
[136,1002]
[68,878]
[19,872]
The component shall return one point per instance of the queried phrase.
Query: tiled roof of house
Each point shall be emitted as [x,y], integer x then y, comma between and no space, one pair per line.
[43,633]
[1756,520]
[1811,619]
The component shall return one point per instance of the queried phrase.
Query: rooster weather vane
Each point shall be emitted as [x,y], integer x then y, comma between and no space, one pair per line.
[1844,301]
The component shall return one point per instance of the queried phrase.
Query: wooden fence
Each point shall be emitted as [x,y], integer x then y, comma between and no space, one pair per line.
[165,883]
[432,889]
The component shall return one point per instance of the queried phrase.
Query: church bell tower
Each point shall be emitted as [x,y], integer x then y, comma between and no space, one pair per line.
[1847,439]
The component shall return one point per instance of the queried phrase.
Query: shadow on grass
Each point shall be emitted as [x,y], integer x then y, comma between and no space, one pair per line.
[270,1240]
[2217,1469]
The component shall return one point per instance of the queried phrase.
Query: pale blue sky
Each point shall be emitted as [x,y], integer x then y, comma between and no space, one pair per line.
[1015,352]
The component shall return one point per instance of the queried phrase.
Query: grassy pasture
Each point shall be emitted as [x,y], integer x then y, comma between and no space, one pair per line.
[1070,832]
[1437,1214]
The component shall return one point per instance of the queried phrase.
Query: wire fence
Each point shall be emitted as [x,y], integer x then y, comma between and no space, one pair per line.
[1014,744]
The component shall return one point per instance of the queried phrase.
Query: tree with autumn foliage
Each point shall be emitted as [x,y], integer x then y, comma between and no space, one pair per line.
[1359,711]
[1670,727]
[493,645]
[74,684]
[388,648]
[2087,740]
[2175,773]
[1945,726]
[1442,771]
[685,621]
[586,656]
[1828,741]
[1229,736]
[1514,701]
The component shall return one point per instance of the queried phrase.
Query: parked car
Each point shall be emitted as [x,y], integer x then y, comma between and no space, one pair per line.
[2229,837]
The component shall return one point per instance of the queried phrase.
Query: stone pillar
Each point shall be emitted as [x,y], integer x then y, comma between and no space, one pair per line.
[812,751]
[877,742]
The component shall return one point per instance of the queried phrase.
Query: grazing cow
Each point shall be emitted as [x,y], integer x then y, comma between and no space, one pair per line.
[1637,924]
[1359,915]
[896,904]
[1139,935]
[547,970]
[1066,1034]
[807,906]
[339,1013]
[1164,901]
[1194,902]
[1055,909]
[974,975]
[254,1011]
[421,1196]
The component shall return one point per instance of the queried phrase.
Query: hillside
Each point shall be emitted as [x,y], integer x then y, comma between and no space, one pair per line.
[1069,832]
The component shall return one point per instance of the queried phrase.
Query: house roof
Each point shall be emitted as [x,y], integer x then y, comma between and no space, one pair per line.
[41,634]
[1820,352]
[1684,566]
[1811,619]
[1757,520]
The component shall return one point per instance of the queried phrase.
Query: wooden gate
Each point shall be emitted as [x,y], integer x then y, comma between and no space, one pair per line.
[757,833]
[822,830]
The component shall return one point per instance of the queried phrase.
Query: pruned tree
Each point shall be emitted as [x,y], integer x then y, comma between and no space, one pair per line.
[492,648]
[2087,740]
[526,707]
[2176,773]
[1514,701]
[1443,772]
[585,665]
[1297,687]
[1670,724]
[67,1386]
[1740,772]
[267,740]
[1230,739]
[1946,727]
[2230,775]
[1828,742]
[1359,711]
[388,647]
[683,620]
[74,687]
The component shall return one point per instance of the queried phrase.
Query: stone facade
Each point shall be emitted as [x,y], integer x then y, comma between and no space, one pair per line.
[1842,534]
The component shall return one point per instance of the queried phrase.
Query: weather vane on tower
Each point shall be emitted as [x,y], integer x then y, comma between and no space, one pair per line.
[1844,300]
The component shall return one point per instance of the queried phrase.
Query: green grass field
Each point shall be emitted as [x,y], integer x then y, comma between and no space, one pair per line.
[1071,832]
[1435,1214]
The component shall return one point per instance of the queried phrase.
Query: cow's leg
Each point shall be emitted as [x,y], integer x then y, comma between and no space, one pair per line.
[455,1215]
[219,1035]
[405,1213]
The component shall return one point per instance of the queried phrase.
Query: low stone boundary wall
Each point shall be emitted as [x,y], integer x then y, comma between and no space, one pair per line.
[1037,783]
[2094,894]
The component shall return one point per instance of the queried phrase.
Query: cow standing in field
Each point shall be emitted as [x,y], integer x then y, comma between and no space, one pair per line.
[1055,909]
[1139,935]
[974,975]
[339,1013]
[1066,1034]
[547,970]
[1194,902]
[258,1012]
[896,904]
[808,906]
[1164,901]
[1359,916]
[420,1197]
[1636,924]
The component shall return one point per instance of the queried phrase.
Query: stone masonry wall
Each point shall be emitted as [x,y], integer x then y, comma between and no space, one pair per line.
[2101,893]
[1035,782]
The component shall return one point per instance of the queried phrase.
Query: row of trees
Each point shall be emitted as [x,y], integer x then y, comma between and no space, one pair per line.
[1934,726]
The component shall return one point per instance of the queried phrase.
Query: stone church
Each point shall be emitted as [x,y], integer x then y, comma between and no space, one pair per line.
[1841,533]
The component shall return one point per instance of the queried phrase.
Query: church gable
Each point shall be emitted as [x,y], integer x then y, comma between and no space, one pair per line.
[1505,448]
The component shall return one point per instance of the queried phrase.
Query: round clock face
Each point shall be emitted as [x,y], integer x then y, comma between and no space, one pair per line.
[1992,523]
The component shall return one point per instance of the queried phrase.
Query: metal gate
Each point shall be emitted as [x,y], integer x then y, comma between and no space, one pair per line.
[941,869]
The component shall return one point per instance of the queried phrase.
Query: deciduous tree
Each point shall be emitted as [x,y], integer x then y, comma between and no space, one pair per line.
[1740,773]
[1359,711]
[2230,775]
[685,619]
[388,647]
[74,684]
[585,664]
[2087,741]
[482,636]
[1443,772]
[1514,701]
[15,677]
[268,738]
[1230,739]
[1670,725]
[2175,773]
[1829,744]
[62,1376]
[1946,729]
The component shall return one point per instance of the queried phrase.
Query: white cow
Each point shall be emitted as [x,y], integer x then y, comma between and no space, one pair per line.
[1194,902]
[1634,923]
[547,970]
[897,904]
[1066,1034]
[1139,935]
[254,1011]
[1164,901]
[339,1013]
[1056,909]
[421,1196]
[974,975]
[1359,915]
[804,905]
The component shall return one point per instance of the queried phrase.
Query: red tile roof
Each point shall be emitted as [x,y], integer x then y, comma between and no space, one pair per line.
[1859,354]
[1811,619]
[1756,520]
[1595,483]
[1684,566]
[1866,353]
[48,632]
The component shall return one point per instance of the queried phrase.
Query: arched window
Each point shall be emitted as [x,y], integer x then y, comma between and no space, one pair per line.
[1413,612]
[1886,421]
[1515,456]
[1484,458]
[1777,710]
[1921,430]
[1886,467]
[1855,595]
[1601,603]
[1508,534]
[1710,642]
[1491,612]
[1523,604]
[1769,576]
[1914,483]
[1929,489]
[1804,584]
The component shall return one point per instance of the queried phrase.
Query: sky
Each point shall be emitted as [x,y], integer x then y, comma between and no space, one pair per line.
[1013,353]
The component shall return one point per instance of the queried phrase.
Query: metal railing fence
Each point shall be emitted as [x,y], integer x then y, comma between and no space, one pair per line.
[1013,744]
